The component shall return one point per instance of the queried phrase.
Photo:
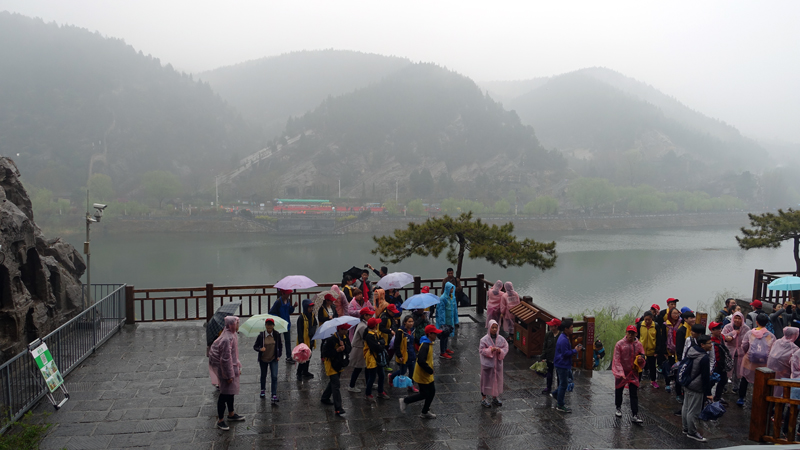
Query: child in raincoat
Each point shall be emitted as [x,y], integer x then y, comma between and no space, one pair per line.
[512,300]
[492,352]
[444,316]
[224,358]
[629,358]
[756,345]
[494,303]
[405,350]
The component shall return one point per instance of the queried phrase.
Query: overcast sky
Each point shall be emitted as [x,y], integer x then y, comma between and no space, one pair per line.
[732,60]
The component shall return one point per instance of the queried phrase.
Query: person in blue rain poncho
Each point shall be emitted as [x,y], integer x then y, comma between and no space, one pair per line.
[445,316]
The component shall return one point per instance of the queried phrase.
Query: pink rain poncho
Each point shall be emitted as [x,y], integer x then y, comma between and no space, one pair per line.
[494,303]
[512,300]
[492,362]
[756,345]
[780,356]
[735,345]
[223,358]
[622,365]
[340,303]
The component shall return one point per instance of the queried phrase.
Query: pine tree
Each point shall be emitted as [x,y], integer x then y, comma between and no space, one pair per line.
[770,230]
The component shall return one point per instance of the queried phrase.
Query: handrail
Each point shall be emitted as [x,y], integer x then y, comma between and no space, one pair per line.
[762,279]
[765,403]
[70,344]
[199,303]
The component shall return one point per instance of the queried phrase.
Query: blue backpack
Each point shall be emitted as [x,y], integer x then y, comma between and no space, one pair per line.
[685,371]
[712,411]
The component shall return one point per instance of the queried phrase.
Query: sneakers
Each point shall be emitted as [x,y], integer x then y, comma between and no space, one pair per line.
[697,437]
[554,394]
[563,409]
[636,419]
[384,395]
[353,389]
[369,398]
[723,402]
[618,413]
[413,389]
[668,388]
[326,401]
[223,426]
[740,402]
[263,394]
[496,402]
[545,391]
[308,375]
[388,369]
[685,431]
[236,418]
[289,360]
[339,412]
[679,399]
[654,384]
[402,405]
[275,399]
[485,403]
[445,356]
[427,415]
[450,352]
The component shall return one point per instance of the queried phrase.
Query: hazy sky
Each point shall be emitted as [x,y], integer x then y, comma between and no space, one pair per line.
[733,60]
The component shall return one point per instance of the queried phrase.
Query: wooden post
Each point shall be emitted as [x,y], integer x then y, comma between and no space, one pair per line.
[588,344]
[209,301]
[130,310]
[480,302]
[757,284]
[527,299]
[701,318]
[759,413]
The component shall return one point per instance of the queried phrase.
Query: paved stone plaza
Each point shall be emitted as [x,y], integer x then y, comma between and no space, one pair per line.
[149,387]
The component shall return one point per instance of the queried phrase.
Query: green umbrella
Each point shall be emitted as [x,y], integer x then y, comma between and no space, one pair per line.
[254,325]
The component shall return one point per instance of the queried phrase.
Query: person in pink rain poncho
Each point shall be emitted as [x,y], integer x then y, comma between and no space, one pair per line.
[780,356]
[756,345]
[340,301]
[627,363]
[512,300]
[733,333]
[494,303]
[492,349]
[224,359]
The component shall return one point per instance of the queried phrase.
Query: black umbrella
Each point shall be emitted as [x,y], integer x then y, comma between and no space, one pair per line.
[354,272]
[217,322]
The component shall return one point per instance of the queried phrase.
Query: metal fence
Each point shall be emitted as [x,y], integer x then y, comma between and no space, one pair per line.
[22,384]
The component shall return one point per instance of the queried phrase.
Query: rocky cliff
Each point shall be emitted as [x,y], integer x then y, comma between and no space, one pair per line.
[40,285]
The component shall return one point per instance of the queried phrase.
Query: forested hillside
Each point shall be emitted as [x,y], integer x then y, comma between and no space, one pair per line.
[68,95]
[269,90]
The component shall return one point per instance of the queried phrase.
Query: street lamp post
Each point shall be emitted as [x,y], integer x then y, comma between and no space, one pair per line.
[98,214]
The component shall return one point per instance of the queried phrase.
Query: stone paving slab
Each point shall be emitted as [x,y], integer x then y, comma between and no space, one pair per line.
[149,387]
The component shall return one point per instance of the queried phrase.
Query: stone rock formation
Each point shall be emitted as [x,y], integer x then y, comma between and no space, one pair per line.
[40,286]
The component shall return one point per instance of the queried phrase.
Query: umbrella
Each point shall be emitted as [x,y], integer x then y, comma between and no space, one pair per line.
[785,284]
[328,328]
[295,282]
[217,322]
[301,353]
[420,301]
[354,272]
[255,324]
[320,298]
[395,280]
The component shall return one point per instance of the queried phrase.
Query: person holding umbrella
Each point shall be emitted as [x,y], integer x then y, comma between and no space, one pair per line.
[224,358]
[268,346]
[335,357]
[283,308]
[306,327]
[327,311]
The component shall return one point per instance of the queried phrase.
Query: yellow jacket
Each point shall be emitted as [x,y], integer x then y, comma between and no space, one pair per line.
[647,336]
[369,358]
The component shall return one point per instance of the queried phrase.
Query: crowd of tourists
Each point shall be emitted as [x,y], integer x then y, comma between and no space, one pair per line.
[666,345]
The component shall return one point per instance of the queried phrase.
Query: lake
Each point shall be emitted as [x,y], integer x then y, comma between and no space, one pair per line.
[629,268]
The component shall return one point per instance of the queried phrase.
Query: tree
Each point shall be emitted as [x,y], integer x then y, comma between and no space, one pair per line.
[501,206]
[416,208]
[770,230]
[590,193]
[461,236]
[544,205]
[100,188]
[160,185]
[391,208]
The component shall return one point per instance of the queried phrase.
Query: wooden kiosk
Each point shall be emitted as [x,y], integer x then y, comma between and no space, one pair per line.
[529,327]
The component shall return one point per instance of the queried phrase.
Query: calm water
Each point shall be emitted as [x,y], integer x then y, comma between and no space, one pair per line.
[594,268]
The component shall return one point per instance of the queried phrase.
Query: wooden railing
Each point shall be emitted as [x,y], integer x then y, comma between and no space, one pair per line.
[199,303]
[762,429]
[760,291]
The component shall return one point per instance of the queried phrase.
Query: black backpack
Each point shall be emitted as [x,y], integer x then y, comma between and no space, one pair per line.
[685,371]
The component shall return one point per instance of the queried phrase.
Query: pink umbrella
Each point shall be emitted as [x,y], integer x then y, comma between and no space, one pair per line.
[295,282]
[301,353]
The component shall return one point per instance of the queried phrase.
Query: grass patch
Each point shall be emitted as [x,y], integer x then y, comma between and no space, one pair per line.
[24,434]
[609,327]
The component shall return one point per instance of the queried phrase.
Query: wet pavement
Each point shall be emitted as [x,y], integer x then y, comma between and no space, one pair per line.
[149,387]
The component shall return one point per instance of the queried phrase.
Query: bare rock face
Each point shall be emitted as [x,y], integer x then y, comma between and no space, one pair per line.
[40,285]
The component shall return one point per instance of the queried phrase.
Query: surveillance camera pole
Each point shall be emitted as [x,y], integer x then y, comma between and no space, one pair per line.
[88,298]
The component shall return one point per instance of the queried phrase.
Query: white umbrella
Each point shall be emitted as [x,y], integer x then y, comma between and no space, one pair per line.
[329,328]
[395,280]
[255,324]
[295,282]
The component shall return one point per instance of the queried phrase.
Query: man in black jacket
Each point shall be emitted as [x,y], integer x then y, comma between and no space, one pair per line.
[268,346]
[698,389]
[335,354]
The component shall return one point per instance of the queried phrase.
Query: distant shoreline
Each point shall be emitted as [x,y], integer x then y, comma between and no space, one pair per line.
[383,225]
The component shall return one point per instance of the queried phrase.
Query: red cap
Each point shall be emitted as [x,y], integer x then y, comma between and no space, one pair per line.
[714,325]
[630,328]
[756,304]
[672,300]
[266,321]
[638,319]
[425,290]
[329,298]
[432,329]
[373,322]
[392,309]
[366,310]
[555,322]
[656,307]
[344,326]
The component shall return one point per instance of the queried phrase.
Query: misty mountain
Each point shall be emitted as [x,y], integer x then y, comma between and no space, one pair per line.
[421,117]
[612,126]
[269,90]
[68,96]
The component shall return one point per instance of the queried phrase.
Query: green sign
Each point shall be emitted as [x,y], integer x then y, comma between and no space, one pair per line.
[44,360]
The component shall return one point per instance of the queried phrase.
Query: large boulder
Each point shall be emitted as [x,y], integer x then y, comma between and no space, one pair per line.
[40,286]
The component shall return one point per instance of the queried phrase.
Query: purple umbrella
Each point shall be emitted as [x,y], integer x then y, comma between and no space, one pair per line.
[295,282]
